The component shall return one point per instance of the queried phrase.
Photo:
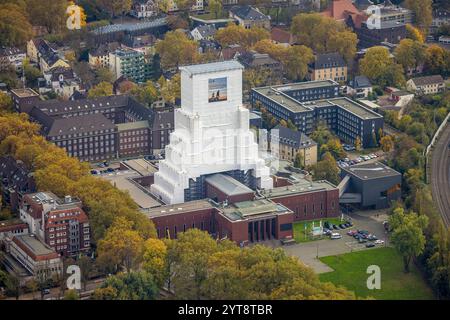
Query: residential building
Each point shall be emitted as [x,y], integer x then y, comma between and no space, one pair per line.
[285,144]
[11,57]
[328,66]
[307,103]
[249,17]
[441,17]
[60,223]
[426,85]
[100,56]
[370,185]
[11,228]
[142,9]
[197,6]
[34,255]
[258,61]
[62,81]
[45,54]
[129,63]
[360,87]
[203,32]
[143,43]
[16,180]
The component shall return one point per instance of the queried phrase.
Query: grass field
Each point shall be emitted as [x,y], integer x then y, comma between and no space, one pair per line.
[350,272]
[299,229]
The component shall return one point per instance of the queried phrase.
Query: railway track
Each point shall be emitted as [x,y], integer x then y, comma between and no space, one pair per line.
[440,175]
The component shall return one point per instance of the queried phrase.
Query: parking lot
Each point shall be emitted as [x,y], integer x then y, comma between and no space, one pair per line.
[355,158]
[372,221]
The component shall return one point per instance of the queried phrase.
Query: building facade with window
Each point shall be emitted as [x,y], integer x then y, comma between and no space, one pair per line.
[307,104]
[61,223]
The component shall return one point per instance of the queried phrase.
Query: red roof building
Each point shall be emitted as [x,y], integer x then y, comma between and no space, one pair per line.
[341,10]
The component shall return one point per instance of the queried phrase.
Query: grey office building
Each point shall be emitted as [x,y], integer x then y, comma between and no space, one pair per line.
[369,185]
[307,103]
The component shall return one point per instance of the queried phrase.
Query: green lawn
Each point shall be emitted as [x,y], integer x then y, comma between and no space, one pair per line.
[350,272]
[299,229]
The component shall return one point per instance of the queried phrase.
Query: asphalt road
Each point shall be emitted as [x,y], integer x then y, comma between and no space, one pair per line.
[440,175]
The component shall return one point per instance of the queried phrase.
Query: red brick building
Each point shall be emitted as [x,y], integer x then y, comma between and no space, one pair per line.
[60,223]
[307,200]
[242,222]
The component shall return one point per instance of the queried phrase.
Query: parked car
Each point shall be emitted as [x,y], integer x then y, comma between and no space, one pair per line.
[335,227]
[327,225]
[350,223]
[335,236]
[95,172]
[110,170]
[46,291]
[362,240]
[352,232]
[378,242]
[372,237]
[373,155]
[342,226]
[370,245]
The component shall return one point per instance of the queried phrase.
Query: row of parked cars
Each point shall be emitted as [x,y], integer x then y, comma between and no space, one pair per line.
[346,162]
[364,236]
[329,227]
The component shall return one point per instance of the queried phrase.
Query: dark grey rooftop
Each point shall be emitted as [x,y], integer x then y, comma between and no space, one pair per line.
[247,12]
[373,170]
[329,60]
[35,245]
[293,138]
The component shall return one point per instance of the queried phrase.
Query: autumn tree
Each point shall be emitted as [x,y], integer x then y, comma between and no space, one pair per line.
[103,74]
[145,94]
[437,60]
[154,260]
[387,143]
[170,89]
[121,247]
[324,35]
[326,169]
[407,235]
[237,34]
[127,286]
[15,29]
[413,33]
[101,90]
[379,67]
[410,54]
[423,12]
[48,13]
[299,161]
[176,49]
[216,7]
[115,7]
[6,103]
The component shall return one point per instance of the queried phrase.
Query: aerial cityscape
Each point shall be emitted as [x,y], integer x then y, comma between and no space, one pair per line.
[225,150]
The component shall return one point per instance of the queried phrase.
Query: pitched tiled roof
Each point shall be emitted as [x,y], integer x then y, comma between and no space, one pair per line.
[421,81]
[342,9]
[281,36]
[329,60]
[360,82]
[295,139]
[248,13]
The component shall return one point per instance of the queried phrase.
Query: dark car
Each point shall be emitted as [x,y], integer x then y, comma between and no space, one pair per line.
[327,225]
[349,223]
[46,291]
[362,240]
[335,227]
[370,245]
[372,237]
[110,170]
[342,226]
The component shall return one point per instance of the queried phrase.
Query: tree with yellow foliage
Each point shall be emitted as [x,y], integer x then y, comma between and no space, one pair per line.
[121,247]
